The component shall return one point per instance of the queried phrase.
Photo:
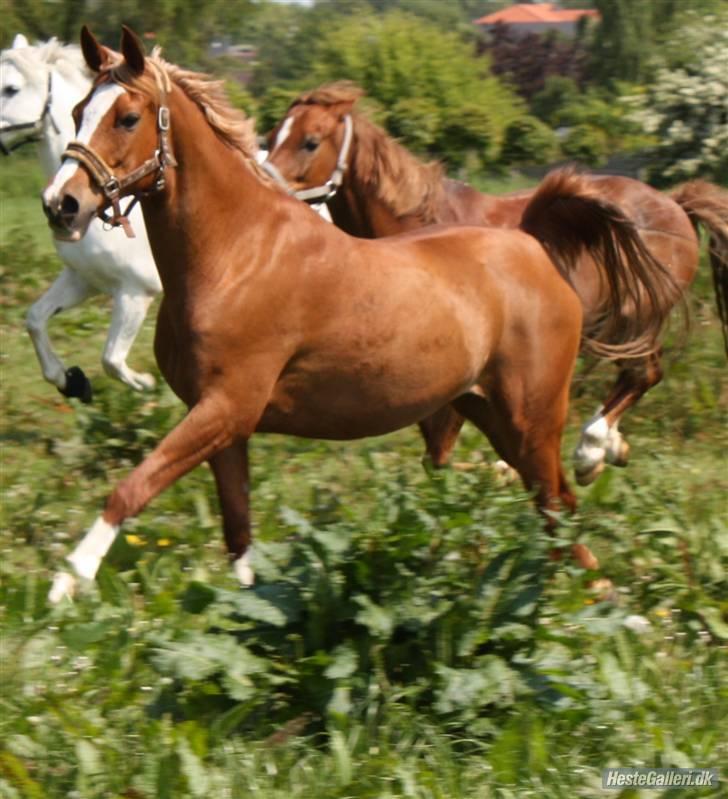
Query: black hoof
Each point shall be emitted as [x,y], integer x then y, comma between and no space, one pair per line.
[77,385]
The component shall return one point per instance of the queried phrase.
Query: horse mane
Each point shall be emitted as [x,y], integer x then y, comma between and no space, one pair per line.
[229,123]
[67,59]
[400,180]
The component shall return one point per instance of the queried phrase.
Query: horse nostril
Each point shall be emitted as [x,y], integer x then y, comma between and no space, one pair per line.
[69,206]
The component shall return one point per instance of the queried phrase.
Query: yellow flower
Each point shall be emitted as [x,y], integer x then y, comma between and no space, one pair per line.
[662,613]
[134,540]
[163,542]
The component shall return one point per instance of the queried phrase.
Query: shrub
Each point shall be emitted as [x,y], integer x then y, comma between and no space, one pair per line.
[529,141]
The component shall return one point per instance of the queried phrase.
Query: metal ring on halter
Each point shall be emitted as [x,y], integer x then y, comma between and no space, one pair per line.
[112,187]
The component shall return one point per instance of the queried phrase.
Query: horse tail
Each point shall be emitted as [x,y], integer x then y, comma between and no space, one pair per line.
[707,206]
[570,219]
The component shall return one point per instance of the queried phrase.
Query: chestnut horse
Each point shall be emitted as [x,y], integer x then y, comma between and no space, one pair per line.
[323,149]
[276,321]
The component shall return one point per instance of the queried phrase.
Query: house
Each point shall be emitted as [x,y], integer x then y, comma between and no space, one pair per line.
[538,18]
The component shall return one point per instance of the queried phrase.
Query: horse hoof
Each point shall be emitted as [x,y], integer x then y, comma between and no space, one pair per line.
[505,472]
[584,557]
[603,589]
[64,587]
[77,385]
[587,476]
[619,455]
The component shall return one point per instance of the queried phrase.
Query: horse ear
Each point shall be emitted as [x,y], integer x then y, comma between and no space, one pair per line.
[133,50]
[343,108]
[96,55]
[19,41]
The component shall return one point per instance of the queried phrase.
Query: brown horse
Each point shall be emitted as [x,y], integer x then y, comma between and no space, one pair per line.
[374,187]
[276,321]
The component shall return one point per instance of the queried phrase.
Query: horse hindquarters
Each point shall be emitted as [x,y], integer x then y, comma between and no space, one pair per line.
[523,399]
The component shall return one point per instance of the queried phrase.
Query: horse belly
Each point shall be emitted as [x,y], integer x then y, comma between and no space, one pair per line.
[362,397]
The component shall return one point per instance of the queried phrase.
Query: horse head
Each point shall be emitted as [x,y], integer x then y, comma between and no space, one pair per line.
[309,149]
[121,146]
[26,89]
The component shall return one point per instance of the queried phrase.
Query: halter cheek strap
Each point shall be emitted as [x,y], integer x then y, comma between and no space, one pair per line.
[33,127]
[112,186]
[325,192]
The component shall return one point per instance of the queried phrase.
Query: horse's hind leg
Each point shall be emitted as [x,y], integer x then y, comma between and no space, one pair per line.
[601,442]
[67,290]
[440,432]
[532,446]
[204,432]
[127,315]
[230,467]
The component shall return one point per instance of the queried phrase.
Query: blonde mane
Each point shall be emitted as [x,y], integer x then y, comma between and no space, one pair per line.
[230,124]
[406,185]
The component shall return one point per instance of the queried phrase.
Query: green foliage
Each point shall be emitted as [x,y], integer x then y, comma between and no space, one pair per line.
[585,144]
[405,63]
[557,93]
[623,40]
[183,27]
[685,109]
[529,141]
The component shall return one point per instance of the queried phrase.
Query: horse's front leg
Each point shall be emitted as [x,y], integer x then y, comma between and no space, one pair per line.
[68,290]
[230,467]
[206,430]
[128,313]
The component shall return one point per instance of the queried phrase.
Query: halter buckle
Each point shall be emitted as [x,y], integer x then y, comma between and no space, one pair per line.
[163,118]
[112,187]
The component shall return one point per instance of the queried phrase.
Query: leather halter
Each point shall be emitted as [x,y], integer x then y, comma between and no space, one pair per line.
[326,191]
[112,186]
[33,127]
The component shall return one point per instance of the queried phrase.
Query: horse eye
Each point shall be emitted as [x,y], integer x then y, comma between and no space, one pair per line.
[129,121]
[10,91]
[310,144]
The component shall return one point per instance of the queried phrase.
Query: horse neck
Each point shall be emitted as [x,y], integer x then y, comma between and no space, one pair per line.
[58,127]
[355,210]
[198,222]
[358,209]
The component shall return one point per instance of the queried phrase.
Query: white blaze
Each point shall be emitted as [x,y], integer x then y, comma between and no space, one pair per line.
[98,106]
[283,133]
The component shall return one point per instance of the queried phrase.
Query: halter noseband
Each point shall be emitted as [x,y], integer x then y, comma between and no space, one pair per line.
[33,127]
[325,192]
[112,186]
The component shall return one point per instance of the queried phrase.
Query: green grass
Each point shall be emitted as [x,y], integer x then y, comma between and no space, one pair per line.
[407,637]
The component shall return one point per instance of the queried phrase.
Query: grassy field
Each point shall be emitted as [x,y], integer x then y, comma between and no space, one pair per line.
[407,636]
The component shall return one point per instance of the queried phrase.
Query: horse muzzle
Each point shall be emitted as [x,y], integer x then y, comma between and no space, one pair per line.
[67,219]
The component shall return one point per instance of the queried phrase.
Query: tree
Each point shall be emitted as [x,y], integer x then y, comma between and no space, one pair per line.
[527,61]
[409,64]
[686,109]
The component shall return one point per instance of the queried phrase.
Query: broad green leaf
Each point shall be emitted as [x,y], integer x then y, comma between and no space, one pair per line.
[345,662]
[378,620]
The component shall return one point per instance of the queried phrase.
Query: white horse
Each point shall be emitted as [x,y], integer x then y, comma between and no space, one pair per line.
[39,87]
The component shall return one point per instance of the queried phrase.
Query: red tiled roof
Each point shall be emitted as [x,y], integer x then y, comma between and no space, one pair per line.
[523,13]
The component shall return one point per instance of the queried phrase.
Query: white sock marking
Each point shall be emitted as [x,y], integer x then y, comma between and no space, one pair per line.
[86,557]
[243,570]
[594,436]
[64,585]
